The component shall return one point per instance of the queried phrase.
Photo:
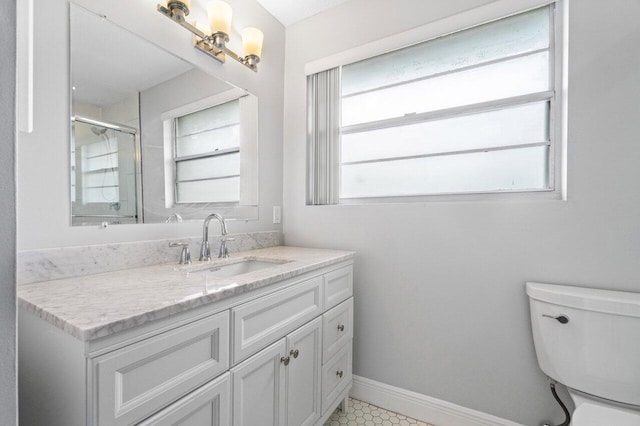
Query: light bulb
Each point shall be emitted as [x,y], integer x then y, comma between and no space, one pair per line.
[219,14]
[252,39]
[202,27]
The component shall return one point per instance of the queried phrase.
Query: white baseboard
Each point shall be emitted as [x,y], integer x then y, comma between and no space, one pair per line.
[421,407]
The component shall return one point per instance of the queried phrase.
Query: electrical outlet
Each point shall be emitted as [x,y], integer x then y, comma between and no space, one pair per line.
[277,214]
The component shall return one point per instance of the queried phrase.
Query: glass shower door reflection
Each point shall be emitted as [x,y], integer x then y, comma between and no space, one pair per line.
[105,173]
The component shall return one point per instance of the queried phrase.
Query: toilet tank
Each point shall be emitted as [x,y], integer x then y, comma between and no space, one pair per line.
[598,350]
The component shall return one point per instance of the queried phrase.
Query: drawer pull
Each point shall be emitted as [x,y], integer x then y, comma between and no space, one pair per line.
[339,373]
[294,353]
[341,327]
[285,361]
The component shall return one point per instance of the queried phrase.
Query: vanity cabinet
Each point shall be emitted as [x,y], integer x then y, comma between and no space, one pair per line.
[275,355]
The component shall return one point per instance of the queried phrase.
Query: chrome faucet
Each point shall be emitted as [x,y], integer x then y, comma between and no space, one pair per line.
[205,252]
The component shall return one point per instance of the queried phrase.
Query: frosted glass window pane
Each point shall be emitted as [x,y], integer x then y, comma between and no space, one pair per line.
[103,178]
[512,126]
[101,195]
[209,141]
[108,161]
[508,170]
[210,118]
[101,148]
[209,167]
[204,191]
[515,35]
[519,76]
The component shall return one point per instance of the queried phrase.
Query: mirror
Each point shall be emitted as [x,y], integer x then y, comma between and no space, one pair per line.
[154,140]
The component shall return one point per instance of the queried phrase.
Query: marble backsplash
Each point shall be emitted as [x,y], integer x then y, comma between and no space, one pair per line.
[52,264]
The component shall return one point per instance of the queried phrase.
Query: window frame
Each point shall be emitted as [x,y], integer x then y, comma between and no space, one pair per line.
[210,154]
[246,207]
[556,97]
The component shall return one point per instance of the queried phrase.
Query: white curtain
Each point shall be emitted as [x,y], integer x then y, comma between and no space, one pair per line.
[323,136]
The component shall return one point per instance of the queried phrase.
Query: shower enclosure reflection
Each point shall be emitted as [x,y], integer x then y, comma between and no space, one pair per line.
[105,173]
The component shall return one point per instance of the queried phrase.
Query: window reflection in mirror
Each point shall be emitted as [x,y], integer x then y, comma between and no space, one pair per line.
[131,160]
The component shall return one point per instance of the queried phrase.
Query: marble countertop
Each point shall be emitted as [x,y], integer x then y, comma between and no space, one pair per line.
[94,306]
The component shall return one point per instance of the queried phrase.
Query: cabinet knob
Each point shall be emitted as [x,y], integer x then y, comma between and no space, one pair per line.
[285,361]
[341,327]
[339,373]
[294,353]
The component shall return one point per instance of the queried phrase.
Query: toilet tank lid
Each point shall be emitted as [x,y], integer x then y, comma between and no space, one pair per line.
[589,299]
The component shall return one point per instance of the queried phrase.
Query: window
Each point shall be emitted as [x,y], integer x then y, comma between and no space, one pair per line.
[100,179]
[210,150]
[207,154]
[469,112]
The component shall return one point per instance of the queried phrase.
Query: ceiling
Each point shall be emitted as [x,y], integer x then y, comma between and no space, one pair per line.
[291,11]
[103,72]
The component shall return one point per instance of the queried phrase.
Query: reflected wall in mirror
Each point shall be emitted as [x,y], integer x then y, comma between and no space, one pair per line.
[154,139]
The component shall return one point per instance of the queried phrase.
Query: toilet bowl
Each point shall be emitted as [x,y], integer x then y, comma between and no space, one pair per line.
[589,340]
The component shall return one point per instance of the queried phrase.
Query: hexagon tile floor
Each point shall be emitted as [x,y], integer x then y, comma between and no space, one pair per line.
[363,413]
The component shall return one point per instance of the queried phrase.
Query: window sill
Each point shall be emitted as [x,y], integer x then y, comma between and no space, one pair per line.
[521,196]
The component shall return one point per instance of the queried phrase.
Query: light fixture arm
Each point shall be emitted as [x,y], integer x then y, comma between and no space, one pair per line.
[213,45]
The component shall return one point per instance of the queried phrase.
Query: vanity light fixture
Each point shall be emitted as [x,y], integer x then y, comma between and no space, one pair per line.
[215,43]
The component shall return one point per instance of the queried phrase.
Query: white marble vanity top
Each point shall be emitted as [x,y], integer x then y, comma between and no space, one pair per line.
[93,306]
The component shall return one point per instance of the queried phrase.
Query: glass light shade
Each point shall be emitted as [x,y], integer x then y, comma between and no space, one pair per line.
[202,27]
[219,14]
[252,39]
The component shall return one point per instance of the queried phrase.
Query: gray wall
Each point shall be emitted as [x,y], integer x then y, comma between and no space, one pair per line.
[8,384]
[45,152]
[439,286]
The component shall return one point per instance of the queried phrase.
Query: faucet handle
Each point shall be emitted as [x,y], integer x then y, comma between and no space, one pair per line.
[223,252]
[185,254]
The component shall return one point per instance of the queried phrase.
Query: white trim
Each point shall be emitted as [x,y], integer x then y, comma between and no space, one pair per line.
[421,407]
[458,22]
[208,102]
[24,65]
[562,86]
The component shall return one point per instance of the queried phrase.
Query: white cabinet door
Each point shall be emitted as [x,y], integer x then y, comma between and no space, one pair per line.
[207,406]
[304,374]
[259,388]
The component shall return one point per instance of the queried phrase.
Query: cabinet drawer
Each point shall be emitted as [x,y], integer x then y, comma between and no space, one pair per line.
[337,328]
[206,406]
[134,382]
[263,321]
[338,286]
[336,376]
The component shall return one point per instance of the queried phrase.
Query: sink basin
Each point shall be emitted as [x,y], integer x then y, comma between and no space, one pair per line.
[233,269]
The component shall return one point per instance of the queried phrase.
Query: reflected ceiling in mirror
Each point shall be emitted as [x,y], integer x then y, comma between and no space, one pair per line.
[128,96]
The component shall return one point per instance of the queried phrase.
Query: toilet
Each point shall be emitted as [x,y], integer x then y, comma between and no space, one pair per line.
[589,340]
